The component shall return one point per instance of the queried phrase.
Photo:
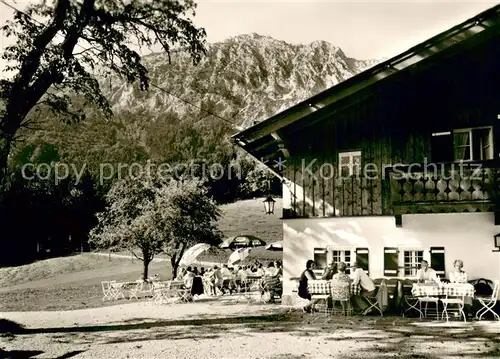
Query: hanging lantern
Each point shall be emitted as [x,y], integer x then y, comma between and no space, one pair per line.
[269,205]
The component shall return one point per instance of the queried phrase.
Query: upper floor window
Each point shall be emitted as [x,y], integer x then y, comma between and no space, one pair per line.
[467,144]
[349,163]
[473,144]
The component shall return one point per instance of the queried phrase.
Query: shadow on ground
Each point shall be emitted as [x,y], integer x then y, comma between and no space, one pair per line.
[31,354]
[364,337]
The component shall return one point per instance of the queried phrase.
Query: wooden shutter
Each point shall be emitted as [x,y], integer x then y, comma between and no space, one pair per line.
[320,258]
[437,260]
[391,262]
[362,257]
[442,147]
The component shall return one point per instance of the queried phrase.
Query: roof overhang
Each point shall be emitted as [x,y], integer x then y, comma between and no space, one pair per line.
[481,28]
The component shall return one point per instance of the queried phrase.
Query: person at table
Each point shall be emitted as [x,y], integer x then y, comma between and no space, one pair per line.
[260,271]
[219,279]
[279,268]
[458,275]
[303,291]
[360,278]
[330,271]
[426,274]
[188,282]
[341,284]
[271,270]
[181,274]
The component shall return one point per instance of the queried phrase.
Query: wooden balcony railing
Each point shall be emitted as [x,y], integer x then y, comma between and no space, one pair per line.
[444,187]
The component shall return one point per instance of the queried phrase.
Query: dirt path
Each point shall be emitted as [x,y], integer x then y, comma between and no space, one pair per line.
[228,329]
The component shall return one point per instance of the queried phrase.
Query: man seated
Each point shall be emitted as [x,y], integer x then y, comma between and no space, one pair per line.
[367,286]
[362,279]
[426,274]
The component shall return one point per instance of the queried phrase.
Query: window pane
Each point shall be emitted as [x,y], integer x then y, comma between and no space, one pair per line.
[345,160]
[462,153]
[356,160]
[345,171]
[461,139]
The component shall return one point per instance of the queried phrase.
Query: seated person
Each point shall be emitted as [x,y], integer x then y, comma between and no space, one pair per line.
[306,276]
[272,285]
[329,271]
[426,274]
[367,287]
[271,270]
[458,275]
[341,285]
[362,279]
[279,268]
[180,275]
[260,271]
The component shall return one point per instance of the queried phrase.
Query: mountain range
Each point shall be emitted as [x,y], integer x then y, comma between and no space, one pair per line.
[242,80]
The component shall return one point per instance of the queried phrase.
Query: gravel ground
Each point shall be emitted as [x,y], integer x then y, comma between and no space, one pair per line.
[217,328]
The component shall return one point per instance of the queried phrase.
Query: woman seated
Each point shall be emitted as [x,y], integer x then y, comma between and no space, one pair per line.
[306,276]
[341,287]
[458,275]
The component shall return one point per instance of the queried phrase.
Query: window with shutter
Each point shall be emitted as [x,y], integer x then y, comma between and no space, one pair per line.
[320,258]
[437,260]
[391,262]
[362,257]
[442,147]
[411,261]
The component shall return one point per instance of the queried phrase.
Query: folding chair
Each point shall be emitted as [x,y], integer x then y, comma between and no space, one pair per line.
[373,302]
[459,301]
[116,290]
[106,290]
[160,292]
[341,292]
[409,298]
[427,300]
[135,289]
[489,302]
[320,298]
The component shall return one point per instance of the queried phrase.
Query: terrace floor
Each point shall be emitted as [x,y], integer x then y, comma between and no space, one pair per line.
[228,328]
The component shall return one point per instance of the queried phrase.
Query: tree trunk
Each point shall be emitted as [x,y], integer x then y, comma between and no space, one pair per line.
[5,145]
[175,266]
[146,260]
[145,269]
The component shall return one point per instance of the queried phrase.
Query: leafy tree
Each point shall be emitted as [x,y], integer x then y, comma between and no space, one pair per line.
[48,65]
[156,215]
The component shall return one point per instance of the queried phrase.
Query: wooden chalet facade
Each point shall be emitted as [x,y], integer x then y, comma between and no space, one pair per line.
[411,145]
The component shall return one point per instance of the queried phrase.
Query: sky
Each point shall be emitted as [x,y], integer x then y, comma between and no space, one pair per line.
[363,29]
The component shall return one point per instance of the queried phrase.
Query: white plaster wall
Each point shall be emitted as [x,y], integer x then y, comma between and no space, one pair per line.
[466,236]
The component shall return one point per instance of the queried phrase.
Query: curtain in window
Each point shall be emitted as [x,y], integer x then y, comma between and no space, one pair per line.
[462,145]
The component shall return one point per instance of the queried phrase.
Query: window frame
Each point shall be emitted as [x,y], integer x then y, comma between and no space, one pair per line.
[470,130]
[401,259]
[352,255]
[350,155]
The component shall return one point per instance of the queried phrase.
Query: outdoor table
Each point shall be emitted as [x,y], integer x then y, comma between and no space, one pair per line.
[431,292]
[443,289]
[323,287]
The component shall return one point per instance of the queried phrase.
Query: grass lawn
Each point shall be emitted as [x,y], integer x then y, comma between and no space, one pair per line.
[68,283]
[74,282]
